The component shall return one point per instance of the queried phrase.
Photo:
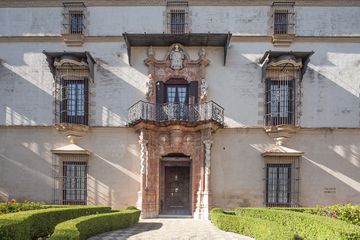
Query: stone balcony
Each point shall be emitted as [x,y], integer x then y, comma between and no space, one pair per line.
[176,113]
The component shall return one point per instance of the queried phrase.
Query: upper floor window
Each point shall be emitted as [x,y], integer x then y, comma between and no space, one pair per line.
[281,22]
[177,21]
[279,101]
[177,17]
[282,75]
[283,19]
[73,72]
[74,100]
[76,22]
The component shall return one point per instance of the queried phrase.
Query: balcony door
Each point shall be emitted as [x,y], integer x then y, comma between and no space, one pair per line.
[176,104]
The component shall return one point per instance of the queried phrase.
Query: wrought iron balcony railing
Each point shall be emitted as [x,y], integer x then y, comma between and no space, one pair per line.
[167,112]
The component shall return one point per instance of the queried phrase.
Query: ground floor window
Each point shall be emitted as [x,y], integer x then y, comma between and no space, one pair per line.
[278,184]
[282,181]
[74,183]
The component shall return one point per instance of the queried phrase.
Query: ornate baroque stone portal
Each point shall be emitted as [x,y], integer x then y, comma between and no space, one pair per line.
[160,141]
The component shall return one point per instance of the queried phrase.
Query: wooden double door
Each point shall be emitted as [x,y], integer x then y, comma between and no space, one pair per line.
[176,190]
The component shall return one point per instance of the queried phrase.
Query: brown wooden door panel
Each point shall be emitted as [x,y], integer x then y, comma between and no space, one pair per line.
[177,187]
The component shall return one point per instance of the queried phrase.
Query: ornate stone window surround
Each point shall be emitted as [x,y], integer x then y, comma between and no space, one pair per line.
[79,11]
[282,23]
[284,68]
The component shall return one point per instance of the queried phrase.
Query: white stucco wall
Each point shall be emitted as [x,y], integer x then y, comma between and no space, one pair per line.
[27,164]
[327,21]
[330,89]
[240,20]
[30,21]
[331,161]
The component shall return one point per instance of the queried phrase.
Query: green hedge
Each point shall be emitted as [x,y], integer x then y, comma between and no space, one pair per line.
[11,207]
[253,227]
[305,225]
[40,223]
[348,213]
[87,226]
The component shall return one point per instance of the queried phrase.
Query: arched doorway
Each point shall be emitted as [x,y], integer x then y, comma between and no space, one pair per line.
[175,185]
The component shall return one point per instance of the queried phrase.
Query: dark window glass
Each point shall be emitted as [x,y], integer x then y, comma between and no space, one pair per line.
[76,22]
[278,184]
[177,21]
[281,22]
[74,101]
[279,102]
[75,183]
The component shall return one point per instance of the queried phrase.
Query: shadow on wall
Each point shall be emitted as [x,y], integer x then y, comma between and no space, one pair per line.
[331,161]
[115,92]
[22,102]
[26,165]
[330,95]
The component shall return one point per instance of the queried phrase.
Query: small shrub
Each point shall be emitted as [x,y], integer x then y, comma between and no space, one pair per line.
[12,206]
[305,225]
[253,227]
[40,223]
[87,226]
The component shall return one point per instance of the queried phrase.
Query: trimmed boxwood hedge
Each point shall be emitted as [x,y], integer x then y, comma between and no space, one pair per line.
[87,226]
[305,225]
[348,212]
[253,227]
[40,223]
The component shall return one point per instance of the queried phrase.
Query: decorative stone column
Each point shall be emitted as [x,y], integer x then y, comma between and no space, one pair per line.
[206,194]
[143,163]
[203,205]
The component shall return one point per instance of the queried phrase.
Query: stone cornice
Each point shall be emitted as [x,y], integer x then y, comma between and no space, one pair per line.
[90,3]
[246,129]
[235,38]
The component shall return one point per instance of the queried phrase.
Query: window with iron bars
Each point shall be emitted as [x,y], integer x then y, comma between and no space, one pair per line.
[177,17]
[281,22]
[177,21]
[279,102]
[76,22]
[74,101]
[282,182]
[74,190]
[283,18]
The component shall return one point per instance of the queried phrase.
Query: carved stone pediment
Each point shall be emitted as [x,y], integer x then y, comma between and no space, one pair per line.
[176,64]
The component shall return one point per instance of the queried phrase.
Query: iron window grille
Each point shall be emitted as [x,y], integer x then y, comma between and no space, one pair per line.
[74,183]
[72,95]
[74,18]
[280,102]
[282,182]
[70,179]
[177,17]
[76,22]
[74,101]
[177,22]
[283,18]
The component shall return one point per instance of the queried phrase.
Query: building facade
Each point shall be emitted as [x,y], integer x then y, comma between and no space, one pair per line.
[180,106]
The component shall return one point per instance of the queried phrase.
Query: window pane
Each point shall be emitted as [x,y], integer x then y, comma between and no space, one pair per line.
[278,183]
[76,22]
[171,93]
[280,22]
[177,18]
[74,182]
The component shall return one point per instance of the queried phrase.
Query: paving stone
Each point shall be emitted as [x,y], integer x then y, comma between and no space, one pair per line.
[170,229]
